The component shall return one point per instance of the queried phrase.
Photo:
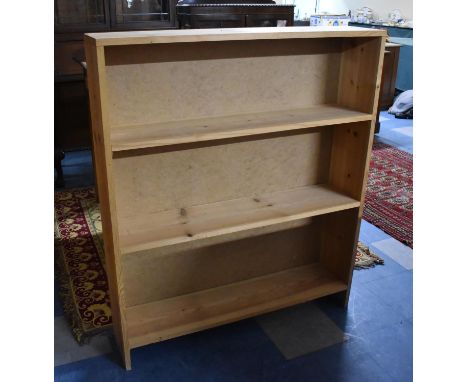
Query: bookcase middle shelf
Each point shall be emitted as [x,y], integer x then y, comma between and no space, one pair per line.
[170,227]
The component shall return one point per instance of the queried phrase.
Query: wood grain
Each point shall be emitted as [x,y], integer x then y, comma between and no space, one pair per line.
[197,35]
[103,164]
[206,129]
[232,172]
[189,267]
[142,232]
[173,317]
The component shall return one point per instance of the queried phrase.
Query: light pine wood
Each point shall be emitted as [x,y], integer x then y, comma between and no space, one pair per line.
[176,270]
[103,165]
[339,239]
[348,158]
[361,62]
[231,169]
[142,232]
[359,89]
[185,314]
[226,34]
[198,130]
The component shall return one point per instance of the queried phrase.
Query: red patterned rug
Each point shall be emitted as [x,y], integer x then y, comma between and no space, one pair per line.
[79,259]
[389,196]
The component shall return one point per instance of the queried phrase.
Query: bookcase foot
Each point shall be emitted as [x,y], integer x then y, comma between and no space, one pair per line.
[342,298]
[127,360]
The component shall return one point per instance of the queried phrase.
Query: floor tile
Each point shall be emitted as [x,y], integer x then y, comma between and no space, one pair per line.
[382,118]
[66,348]
[78,169]
[408,131]
[392,349]
[58,310]
[389,268]
[399,252]
[395,292]
[306,368]
[300,330]
[235,352]
[365,313]
[370,233]
[351,362]
[396,132]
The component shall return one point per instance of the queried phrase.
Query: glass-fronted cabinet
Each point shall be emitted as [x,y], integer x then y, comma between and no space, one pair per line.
[102,15]
[81,15]
[143,14]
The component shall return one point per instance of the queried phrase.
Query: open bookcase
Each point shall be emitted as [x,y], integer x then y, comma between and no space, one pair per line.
[231,170]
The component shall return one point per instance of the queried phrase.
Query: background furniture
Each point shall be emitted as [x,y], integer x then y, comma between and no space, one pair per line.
[389,77]
[229,193]
[72,19]
[403,37]
[232,14]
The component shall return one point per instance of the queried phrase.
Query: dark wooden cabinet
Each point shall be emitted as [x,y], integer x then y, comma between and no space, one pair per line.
[389,75]
[142,14]
[233,14]
[73,18]
[81,15]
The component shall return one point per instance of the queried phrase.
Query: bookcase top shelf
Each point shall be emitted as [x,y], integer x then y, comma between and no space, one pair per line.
[159,229]
[206,129]
[228,34]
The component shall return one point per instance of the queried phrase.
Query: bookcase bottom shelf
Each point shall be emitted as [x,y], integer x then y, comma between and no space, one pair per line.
[173,317]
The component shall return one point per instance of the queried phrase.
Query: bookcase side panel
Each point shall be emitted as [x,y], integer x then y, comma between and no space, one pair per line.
[103,165]
[360,73]
[348,161]
[339,235]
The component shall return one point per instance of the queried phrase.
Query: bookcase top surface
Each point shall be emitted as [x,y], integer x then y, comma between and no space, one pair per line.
[228,34]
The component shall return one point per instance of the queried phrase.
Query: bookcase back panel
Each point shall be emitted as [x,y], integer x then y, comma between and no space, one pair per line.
[211,50]
[152,92]
[153,275]
[160,179]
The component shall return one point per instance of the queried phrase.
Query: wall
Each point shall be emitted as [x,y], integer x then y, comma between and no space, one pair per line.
[381,8]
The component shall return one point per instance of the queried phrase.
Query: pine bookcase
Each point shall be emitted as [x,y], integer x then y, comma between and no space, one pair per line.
[231,169]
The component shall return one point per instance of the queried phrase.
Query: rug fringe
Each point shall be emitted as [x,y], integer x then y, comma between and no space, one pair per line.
[365,258]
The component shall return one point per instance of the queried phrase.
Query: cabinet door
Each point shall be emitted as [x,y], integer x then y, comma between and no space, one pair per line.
[216,21]
[81,15]
[266,20]
[389,75]
[142,14]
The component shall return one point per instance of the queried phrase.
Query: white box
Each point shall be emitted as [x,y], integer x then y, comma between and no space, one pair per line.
[329,20]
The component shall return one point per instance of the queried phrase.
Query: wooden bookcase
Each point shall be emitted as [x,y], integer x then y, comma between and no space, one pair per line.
[231,169]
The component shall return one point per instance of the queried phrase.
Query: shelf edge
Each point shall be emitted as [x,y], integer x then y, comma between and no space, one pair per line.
[214,136]
[132,249]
